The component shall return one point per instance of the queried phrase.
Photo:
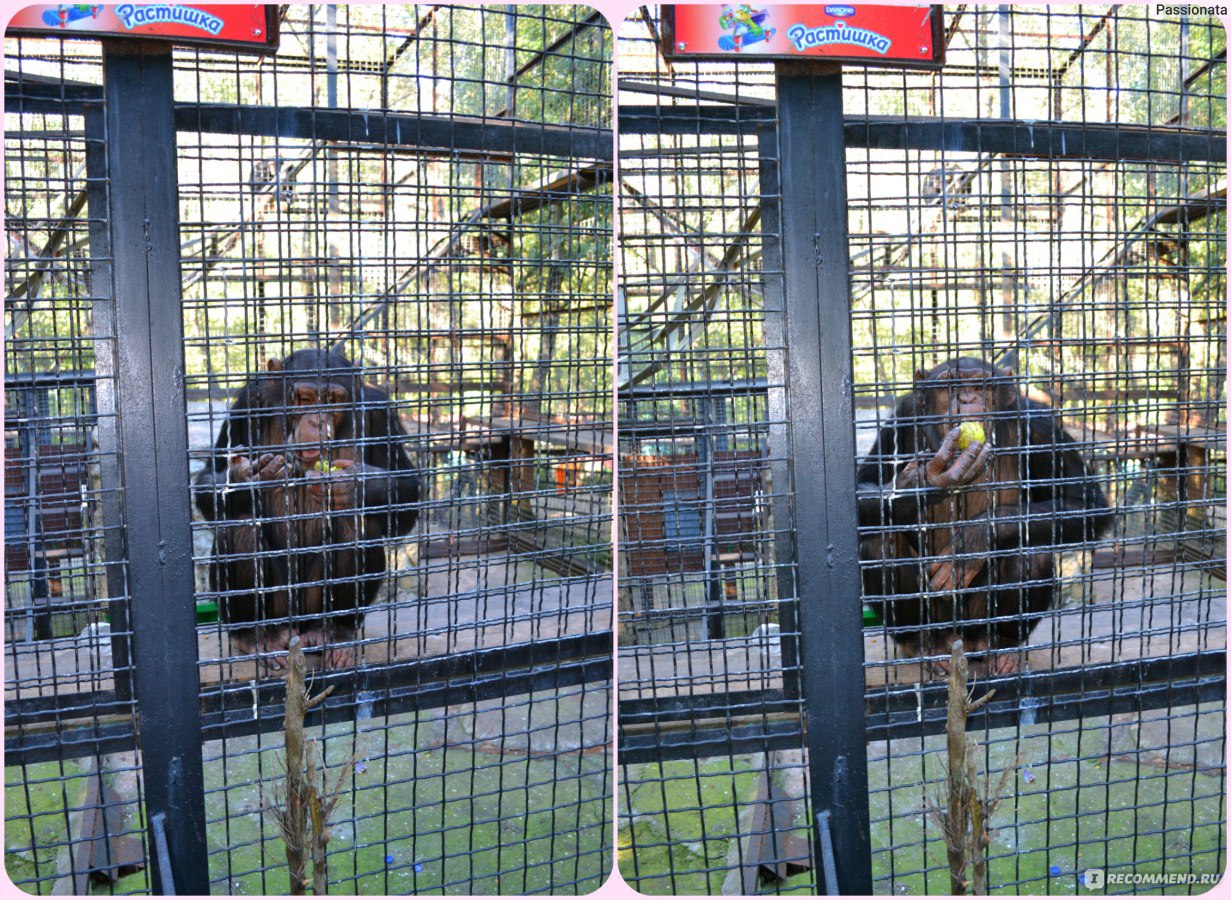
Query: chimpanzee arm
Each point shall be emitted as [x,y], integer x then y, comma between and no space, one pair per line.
[215,497]
[390,485]
[880,501]
[1062,502]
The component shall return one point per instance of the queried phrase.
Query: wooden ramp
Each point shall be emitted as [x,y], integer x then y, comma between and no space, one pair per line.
[477,603]
[1134,613]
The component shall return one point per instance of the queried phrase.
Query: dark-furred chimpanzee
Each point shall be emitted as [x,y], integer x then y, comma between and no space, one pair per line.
[959,542]
[309,474]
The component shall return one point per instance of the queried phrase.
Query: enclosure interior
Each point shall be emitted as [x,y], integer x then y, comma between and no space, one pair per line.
[1087,260]
[426,190]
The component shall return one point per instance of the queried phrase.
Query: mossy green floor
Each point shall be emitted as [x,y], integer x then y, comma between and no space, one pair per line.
[416,816]
[36,824]
[685,851]
[1081,800]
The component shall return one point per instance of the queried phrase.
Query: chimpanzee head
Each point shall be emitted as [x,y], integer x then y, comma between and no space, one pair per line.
[963,390]
[317,391]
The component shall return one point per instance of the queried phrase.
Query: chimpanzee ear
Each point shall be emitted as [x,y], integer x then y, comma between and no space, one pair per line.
[1008,373]
[274,365]
[920,375]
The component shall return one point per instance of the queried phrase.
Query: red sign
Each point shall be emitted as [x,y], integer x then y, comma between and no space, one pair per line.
[911,36]
[246,27]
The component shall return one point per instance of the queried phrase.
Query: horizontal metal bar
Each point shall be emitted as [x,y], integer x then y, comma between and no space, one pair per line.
[648,119]
[410,698]
[647,710]
[675,390]
[1062,707]
[69,743]
[51,707]
[92,739]
[707,742]
[1057,696]
[378,680]
[1041,140]
[22,94]
[415,684]
[907,712]
[479,135]
[464,133]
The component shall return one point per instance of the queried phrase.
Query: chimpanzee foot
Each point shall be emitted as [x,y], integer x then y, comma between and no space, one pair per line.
[995,661]
[336,642]
[940,646]
[340,653]
[941,667]
[336,657]
[269,645]
[1004,663]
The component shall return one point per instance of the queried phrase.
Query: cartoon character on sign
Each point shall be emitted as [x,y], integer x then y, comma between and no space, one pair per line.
[747,27]
[65,13]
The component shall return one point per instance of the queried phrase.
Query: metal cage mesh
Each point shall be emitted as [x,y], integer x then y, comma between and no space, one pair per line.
[427,190]
[1101,286]
[713,784]
[66,576]
[1086,258]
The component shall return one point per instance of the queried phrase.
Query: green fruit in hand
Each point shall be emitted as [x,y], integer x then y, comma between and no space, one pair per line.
[968,433]
[324,467]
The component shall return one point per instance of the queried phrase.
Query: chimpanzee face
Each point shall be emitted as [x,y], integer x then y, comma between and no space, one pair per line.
[964,390]
[317,414]
[964,395]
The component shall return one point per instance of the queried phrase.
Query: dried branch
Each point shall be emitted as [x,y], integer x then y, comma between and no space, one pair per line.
[965,814]
[302,807]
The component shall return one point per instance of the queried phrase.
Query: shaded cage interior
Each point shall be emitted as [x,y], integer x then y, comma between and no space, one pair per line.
[425,191]
[1053,204]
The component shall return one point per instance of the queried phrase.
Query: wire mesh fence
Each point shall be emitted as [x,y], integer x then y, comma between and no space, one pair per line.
[712,752]
[394,257]
[66,584]
[1048,209]
[1093,281]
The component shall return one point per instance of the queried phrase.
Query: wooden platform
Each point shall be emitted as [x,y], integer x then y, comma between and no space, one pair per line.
[1133,613]
[472,603]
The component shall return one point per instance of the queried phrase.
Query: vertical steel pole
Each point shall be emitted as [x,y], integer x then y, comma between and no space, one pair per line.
[777,406]
[144,220]
[815,259]
[102,312]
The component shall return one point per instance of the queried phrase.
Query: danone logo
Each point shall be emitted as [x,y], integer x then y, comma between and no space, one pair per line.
[840,12]
[136,16]
[804,37]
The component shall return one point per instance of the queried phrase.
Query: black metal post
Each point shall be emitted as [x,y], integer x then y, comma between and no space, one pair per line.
[812,161]
[102,311]
[144,219]
[776,404]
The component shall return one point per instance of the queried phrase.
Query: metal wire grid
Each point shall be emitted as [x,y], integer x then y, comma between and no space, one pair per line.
[65,572]
[470,282]
[703,619]
[959,253]
[1101,284]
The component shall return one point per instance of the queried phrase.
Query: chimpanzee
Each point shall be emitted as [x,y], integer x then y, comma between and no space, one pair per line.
[959,542]
[309,475]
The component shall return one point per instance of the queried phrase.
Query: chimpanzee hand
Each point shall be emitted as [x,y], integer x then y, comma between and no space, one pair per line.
[335,489]
[948,572]
[268,467]
[942,470]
